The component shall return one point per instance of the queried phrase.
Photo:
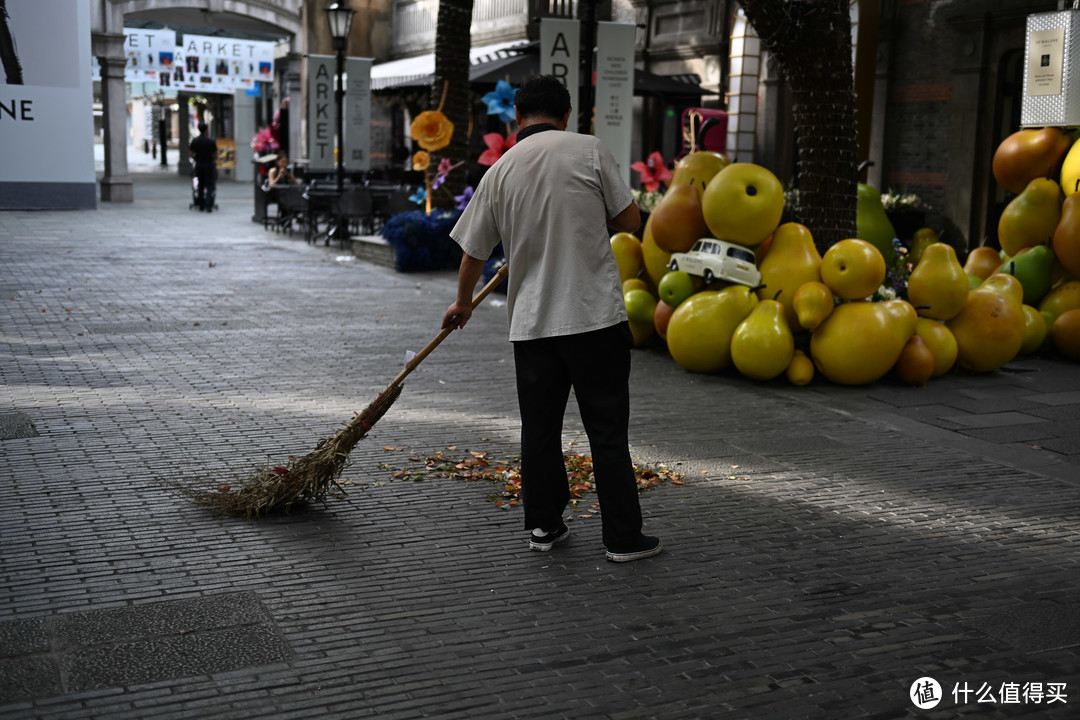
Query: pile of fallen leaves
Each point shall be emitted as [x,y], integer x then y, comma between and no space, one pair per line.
[506,474]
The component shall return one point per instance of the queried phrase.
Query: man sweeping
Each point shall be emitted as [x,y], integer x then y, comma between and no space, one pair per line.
[550,200]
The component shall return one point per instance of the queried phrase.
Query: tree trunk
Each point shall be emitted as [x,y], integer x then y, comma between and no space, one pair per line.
[452,44]
[811,42]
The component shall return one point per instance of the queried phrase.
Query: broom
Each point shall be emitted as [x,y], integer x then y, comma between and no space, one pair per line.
[278,487]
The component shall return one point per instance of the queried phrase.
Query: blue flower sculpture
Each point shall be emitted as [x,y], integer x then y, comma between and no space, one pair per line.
[500,101]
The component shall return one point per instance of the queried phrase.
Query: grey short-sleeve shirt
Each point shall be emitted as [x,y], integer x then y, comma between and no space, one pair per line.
[547,200]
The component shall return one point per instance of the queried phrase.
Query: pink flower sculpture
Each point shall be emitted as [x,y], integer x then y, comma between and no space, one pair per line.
[497,145]
[653,171]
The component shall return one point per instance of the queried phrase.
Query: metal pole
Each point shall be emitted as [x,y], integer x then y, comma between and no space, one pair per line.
[340,97]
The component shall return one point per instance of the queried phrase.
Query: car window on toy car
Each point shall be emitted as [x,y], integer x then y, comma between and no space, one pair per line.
[740,254]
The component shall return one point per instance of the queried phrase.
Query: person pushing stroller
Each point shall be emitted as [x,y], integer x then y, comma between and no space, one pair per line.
[203,151]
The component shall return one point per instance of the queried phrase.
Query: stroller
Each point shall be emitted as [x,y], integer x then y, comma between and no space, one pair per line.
[211,195]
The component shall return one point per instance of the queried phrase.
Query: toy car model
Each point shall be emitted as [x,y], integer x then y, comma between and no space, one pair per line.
[718,260]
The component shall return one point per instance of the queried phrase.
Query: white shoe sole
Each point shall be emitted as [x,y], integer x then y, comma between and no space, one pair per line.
[640,555]
[545,546]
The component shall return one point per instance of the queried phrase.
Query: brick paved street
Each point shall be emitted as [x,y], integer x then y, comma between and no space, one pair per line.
[828,545]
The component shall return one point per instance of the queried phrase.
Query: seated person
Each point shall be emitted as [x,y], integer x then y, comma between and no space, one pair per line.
[281,174]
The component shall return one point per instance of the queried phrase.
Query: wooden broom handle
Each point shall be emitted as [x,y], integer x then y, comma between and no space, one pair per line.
[419,357]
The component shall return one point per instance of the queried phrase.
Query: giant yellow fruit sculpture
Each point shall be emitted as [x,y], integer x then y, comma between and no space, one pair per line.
[853,269]
[762,346]
[743,204]
[938,285]
[941,343]
[861,341]
[792,261]
[627,250]
[990,330]
[655,260]
[700,330]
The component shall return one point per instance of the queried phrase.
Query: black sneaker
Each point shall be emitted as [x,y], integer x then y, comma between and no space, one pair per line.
[646,547]
[545,542]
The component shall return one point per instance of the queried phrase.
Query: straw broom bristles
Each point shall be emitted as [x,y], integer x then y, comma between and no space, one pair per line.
[274,488]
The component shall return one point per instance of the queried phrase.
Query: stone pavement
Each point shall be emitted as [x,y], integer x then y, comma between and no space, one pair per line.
[827,547]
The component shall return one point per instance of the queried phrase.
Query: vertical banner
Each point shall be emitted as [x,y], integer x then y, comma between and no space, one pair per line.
[560,55]
[46,107]
[615,89]
[321,113]
[357,119]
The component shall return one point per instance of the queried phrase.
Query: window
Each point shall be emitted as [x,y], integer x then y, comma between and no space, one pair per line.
[741,254]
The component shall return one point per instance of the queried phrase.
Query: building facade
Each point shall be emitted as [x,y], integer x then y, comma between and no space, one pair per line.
[937,81]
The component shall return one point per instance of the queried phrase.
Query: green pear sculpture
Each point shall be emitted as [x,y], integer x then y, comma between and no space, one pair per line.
[872,224]
[1034,268]
[1031,217]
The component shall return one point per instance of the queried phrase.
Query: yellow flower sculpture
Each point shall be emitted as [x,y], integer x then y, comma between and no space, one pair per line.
[421,161]
[432,130]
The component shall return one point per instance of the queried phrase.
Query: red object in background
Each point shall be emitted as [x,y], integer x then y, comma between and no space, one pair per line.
[710,130]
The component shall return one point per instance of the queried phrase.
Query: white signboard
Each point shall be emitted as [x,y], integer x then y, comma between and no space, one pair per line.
[615,89]
[560,55]
[206,63]
[321,115]
[46,106]
[149,52]
[357,119]
[199,64]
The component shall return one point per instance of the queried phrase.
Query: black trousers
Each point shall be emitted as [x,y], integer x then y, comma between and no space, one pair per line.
[206,173]
[597,366]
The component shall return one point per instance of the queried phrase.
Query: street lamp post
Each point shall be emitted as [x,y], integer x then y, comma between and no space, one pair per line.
[340,17]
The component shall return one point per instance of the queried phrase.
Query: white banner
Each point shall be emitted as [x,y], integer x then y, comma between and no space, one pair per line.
[46,107]
[200,64]
[357,118]
[321,117]
[206,63]
[615,89]
[148,53]
[560,42]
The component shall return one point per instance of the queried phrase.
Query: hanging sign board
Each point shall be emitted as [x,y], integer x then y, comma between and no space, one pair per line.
[560,55]
[207,63]
[46,106]
[321,120]
[199,64]
[357,116]
[615,89]
[149,52]
[1051,94]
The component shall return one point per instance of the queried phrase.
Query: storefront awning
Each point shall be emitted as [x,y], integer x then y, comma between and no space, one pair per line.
[514,62]
[418,70]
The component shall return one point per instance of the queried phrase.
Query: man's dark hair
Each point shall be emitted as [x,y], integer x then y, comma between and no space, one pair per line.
[542,96]
[202,128]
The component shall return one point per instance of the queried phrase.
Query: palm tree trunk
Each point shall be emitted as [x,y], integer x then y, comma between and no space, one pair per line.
[811,42]
[452,44]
